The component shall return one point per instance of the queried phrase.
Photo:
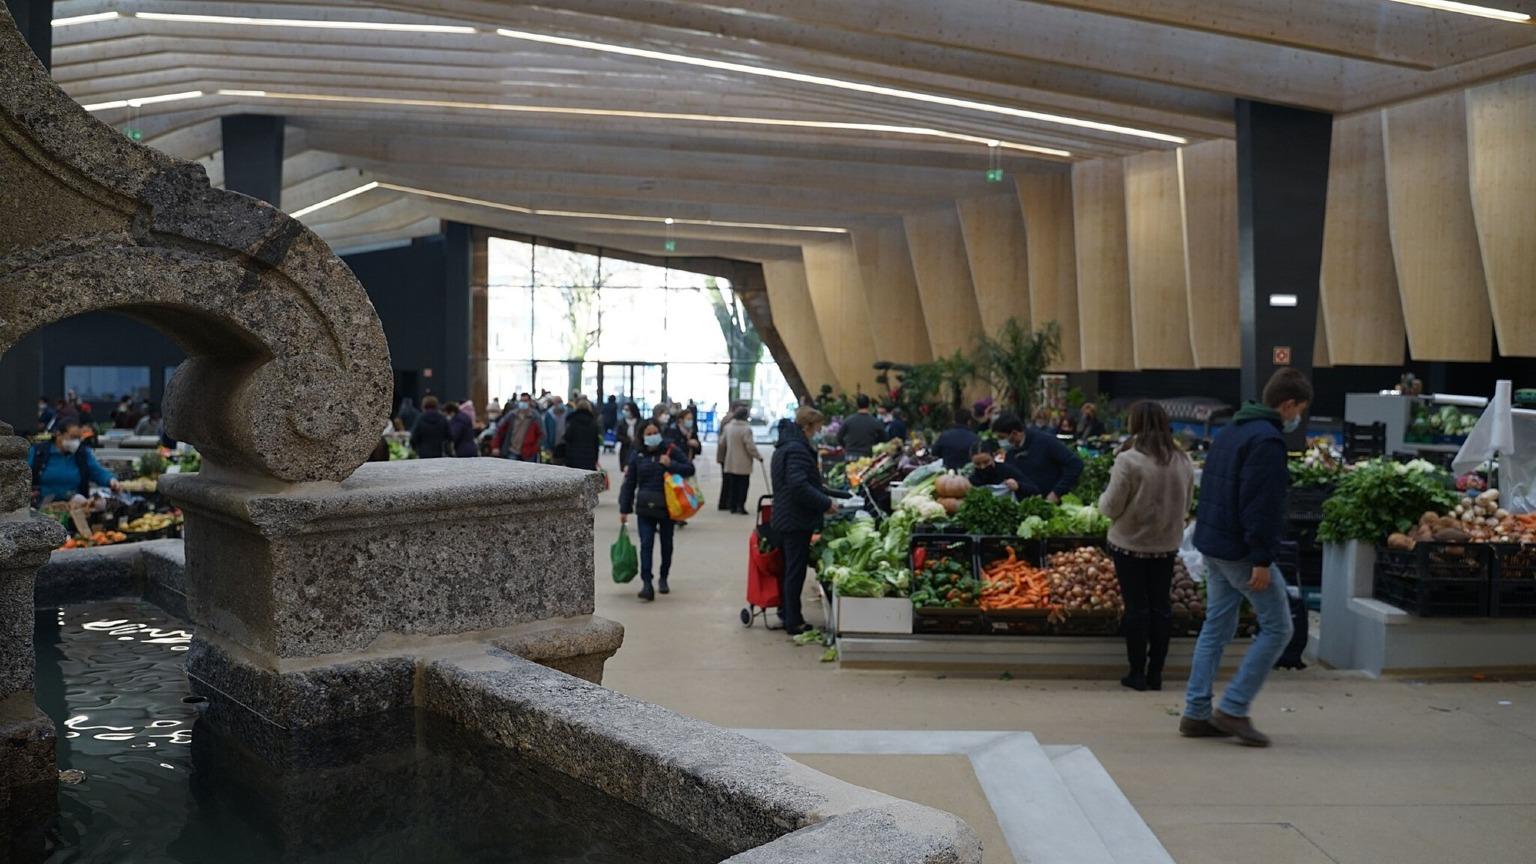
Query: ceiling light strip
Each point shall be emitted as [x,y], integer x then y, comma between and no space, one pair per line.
[85,19]
[244,21]
[1469,9]
[565,214]
[138,101]
[335,199]
[823,81]
[652,115]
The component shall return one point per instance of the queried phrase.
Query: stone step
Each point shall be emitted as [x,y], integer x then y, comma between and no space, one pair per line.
[1055,805]
[1119,826]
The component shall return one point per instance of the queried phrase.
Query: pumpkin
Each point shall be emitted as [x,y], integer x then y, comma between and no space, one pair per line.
[950,504]
[951,485]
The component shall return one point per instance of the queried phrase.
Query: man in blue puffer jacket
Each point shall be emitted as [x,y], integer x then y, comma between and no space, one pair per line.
[1238,529]
[800,501]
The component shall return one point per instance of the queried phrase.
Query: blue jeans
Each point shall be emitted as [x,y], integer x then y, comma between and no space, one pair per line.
[1226,585]
[649,528]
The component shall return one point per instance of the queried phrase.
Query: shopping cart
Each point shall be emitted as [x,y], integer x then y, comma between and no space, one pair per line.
[765,568]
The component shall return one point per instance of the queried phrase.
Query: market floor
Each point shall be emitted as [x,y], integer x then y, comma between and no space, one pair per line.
[1362,771]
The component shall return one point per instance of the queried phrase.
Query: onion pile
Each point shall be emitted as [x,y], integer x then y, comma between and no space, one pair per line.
[1083,580]
[1474,520]
[1184,593]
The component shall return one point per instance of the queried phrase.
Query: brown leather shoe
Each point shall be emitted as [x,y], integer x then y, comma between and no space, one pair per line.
[1241,727]
[1189,727]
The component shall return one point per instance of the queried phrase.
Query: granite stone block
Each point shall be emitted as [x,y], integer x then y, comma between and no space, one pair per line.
[726,789]
[97,573]
[414,548]
[297,698]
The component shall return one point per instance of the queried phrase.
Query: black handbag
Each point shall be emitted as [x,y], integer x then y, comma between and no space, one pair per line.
[652,504]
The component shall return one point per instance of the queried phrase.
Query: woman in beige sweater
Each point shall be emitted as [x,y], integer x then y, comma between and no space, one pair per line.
[1148,498]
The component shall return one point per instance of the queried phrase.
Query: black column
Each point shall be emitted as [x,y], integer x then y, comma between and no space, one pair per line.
[253,156]
[1282,192]
[34,18]
[453,382]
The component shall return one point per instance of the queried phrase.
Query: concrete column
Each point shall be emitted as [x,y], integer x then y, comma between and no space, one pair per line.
[34,18]
[795,320]
[837,296]
[890,292]
[453,380]
[943,280]
[1282,196]
[993,228]
[479,327]
[253,156]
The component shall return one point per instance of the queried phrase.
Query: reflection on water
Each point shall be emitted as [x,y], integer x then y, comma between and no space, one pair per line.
[164,785]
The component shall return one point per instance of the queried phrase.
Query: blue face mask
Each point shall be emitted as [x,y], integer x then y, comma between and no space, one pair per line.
[1292,424]
[688,424]
[653,441]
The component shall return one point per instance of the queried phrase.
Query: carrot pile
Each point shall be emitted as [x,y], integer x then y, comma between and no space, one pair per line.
[1012,584]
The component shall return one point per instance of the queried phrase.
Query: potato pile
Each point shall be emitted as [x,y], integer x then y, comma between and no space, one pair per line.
[1184,593]
[1083,580]
[1475,520]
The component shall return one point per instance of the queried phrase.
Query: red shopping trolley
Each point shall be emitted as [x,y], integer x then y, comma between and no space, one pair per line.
[765,568]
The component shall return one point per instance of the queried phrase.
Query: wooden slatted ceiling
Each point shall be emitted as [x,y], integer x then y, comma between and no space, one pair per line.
[1434,239]
[1155,257]
[1209,172]
[1103,280]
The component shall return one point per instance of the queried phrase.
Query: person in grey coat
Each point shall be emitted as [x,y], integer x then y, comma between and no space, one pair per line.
[737,453]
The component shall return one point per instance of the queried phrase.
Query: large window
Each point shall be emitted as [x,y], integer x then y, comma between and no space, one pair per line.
[102,383]
[568,321]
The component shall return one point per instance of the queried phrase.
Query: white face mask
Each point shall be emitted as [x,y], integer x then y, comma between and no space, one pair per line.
[70,445]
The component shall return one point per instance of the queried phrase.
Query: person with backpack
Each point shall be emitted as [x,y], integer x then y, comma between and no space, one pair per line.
[1238,528]
[62,468]
[644,494]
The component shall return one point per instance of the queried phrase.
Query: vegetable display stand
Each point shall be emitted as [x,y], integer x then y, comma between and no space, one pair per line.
[966,621]
[1051,545]
[1512,592]
[1019,622]
[1439,580]
[873,614]
[1089,624]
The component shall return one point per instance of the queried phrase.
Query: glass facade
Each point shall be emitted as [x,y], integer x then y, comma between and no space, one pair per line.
[564,321]
[101,383]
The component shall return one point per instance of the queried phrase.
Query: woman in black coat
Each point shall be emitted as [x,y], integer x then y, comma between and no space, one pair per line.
[800,501]
[429,437]
[583,438]
[644,494]
[461,432]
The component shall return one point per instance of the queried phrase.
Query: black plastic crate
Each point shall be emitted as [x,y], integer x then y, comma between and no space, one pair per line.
[994,547]
[1513,591]
[1435,580]
[960,547]
[1018,622]
[947,621]
[1051,545]
[1305,503]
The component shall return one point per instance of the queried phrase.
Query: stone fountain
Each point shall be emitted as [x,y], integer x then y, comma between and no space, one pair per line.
[324,589]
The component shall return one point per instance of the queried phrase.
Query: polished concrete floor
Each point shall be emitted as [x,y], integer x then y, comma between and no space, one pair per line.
[1362,771]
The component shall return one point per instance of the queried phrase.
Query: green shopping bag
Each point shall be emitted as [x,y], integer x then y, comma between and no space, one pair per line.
[625,558]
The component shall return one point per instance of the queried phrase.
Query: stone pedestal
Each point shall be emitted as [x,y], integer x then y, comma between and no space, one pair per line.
[315,602]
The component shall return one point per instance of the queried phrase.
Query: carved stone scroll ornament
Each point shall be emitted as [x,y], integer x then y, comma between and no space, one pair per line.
[288,373]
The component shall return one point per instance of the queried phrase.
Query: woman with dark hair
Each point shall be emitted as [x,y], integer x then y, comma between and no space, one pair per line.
[583,438]
[627,432]
[429,436]
[1148,498]
[644,494]
[461,431]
